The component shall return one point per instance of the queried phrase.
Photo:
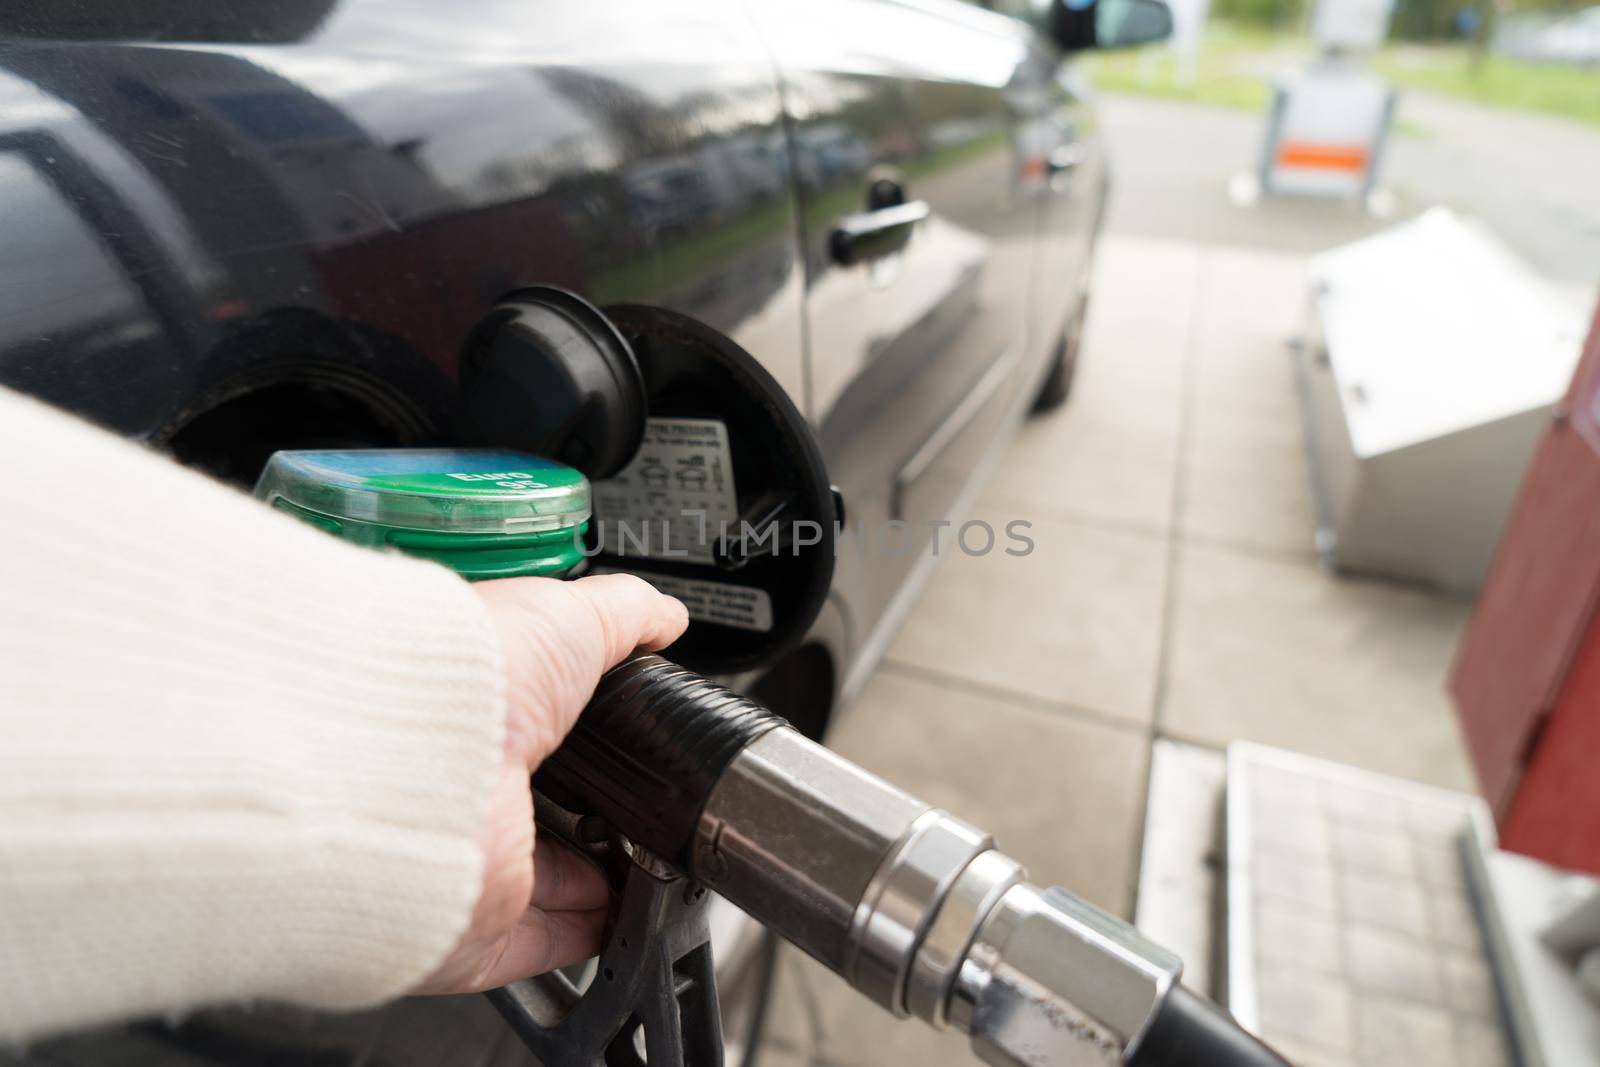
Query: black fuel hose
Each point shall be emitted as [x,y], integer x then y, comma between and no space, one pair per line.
[1190,1031]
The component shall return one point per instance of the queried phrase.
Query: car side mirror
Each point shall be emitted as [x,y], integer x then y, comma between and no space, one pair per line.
[1082,24]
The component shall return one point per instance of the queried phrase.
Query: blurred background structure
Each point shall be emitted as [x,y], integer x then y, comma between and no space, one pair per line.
[1079,700]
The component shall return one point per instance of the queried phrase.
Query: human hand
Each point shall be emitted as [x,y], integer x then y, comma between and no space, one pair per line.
[542,906]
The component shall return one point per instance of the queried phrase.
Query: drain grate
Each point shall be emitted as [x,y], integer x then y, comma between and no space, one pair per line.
[1351,935]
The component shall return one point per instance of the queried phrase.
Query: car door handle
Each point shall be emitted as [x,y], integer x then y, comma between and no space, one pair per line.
[1064,158]
[874,234]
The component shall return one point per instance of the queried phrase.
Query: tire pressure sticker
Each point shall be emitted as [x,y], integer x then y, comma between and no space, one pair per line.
[743,607]
[675,497]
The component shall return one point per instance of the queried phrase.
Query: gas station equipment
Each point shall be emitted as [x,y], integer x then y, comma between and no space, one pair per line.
[1526,685]
[1329,122]
[677,787]
[1432,361]
[1326,132]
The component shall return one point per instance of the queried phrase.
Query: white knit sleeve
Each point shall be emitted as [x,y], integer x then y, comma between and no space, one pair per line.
[238,759]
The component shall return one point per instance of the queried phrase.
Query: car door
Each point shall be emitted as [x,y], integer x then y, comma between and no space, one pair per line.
[915,349]
[1064,165]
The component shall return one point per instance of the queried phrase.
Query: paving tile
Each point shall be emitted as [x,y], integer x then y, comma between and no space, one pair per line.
[1244,474]
[1383,963]
[1441,822]
[1354,804]
[1308,884]
[1282,826]
[1077,621]
[1244,478]
[1239,365]
[1111,454]
[1469,985]
[1061,794]
[1141,313]
[1392,1033]
[1440,874]
[1442,871]
[1443,839]
[1306,1006]
[1439,859]
[1481,1044]
[1289,934]
[1285,788]
[1383,902]
[1452,921]
[851,1031]
[1275,650]
[1254,289]
[1373,851]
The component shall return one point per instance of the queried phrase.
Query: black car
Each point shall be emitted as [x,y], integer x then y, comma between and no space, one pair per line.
[237,228]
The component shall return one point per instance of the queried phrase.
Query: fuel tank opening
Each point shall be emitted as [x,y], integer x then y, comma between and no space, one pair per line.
[233,439]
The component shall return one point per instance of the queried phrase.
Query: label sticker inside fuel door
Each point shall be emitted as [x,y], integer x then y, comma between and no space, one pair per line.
[676,496]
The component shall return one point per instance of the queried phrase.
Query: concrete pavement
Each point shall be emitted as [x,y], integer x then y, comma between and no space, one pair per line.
[1173,592]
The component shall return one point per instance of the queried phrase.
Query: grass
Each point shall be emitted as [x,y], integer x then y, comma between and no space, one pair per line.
[1235,65]
[1452,70]
[1233,68]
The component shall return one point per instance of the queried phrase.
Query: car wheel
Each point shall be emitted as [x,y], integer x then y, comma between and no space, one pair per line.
[1057,385]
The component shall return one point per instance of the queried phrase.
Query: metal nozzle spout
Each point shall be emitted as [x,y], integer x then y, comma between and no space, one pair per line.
[1051,979]
[918,911]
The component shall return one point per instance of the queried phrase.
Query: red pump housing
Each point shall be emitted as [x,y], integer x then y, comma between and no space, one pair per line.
[1526,679]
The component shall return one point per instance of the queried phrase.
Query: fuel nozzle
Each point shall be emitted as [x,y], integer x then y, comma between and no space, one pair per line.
[913,907]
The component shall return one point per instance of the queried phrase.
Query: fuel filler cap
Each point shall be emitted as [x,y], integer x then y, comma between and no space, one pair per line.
[546,372]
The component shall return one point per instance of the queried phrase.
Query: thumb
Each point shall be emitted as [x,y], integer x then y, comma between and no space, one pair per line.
[633,615]
[560,637]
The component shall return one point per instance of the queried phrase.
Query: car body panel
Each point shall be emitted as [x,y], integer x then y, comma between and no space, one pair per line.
[237,229]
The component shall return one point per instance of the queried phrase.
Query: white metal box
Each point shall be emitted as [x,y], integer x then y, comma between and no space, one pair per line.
[1433,360]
